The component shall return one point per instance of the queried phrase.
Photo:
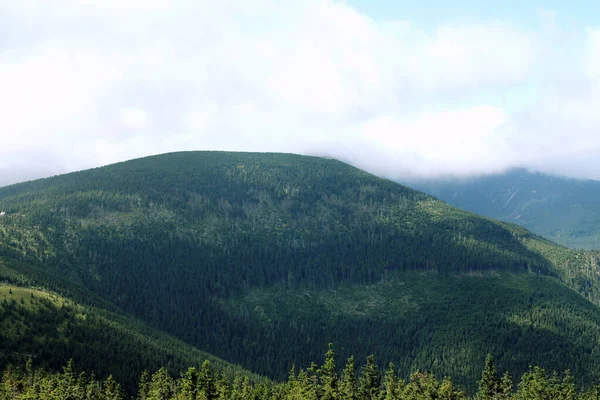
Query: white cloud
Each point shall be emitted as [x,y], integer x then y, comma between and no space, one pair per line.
[592,56]
[134,117]
[86,83]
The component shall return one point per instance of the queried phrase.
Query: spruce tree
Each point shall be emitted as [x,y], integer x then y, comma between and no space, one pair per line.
[112,390]
[370,380]
[348,386]
[489,384]
[144,386]
[188,386]
[161,385]
[329,378]
[223,391]
[567,387]
[292,387]
[391,384]
[206,382]
[506,386]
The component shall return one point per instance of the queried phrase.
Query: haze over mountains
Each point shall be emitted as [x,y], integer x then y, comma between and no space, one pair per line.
[262,259]
[562,209]
[485,87]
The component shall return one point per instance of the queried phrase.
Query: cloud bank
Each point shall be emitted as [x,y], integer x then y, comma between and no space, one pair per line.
[87,83]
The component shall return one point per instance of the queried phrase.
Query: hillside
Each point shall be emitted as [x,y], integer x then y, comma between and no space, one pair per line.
[202,245]
[51,329]
[564,210]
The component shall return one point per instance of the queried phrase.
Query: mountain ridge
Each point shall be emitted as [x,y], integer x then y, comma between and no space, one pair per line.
[562,209]
[181,240]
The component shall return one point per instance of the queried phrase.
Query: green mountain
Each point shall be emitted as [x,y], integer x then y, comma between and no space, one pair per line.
[52,329]
[262,259]
[564,210]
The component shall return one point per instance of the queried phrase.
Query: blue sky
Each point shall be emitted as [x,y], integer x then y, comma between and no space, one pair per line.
[400,89]
[432,12]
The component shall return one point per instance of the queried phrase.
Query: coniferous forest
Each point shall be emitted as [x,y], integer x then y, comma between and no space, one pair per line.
[315,382]
[255,262]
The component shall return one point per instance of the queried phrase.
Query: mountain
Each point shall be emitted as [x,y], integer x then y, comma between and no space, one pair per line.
[561,209]
[262,259]
[52,329]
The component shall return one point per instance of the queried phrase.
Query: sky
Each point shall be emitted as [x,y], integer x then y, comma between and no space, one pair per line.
[398,89]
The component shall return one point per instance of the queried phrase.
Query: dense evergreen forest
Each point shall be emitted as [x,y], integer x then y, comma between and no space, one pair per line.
[324,382]
[262,259]
[52,329]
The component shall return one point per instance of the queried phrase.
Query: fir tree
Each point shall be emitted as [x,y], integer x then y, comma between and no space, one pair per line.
[391,384]
[112,390]
[348,386]
[370,380]
[329,376]
[489,384]
[206,382]
[161,386]
[144,386]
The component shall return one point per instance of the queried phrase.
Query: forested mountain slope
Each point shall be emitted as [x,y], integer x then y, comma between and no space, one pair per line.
[51,329]
[564,210]
[203,244]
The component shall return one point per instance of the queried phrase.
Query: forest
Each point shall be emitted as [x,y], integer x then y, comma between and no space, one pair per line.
[261,259]
[316,382]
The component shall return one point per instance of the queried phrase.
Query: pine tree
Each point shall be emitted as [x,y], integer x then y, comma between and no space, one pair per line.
[348,386]
[246,388]
[236,390]
[68,381]
[506,386]
[329,378]
[144,386]
[592,394]
[81,386]
[391,383]
[447,391]
[112,390]
[29,372]
[421,386]
[534,386]
[293,386]
[222,391]
[489,384]
[562,389]
[308,386]
[161,386]
[370,380]
[188,386]
[206,382]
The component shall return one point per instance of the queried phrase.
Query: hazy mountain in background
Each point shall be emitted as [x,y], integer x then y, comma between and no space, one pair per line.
[561,209]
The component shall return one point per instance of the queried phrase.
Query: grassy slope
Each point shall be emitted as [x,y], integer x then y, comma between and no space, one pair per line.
[178,239]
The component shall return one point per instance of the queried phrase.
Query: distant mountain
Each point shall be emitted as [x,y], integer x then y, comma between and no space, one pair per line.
[262,259]
[561,209]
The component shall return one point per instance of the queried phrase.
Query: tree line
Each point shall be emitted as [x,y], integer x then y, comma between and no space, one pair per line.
[315,382]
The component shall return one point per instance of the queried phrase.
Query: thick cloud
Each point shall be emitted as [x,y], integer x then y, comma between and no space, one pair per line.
[86,83]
